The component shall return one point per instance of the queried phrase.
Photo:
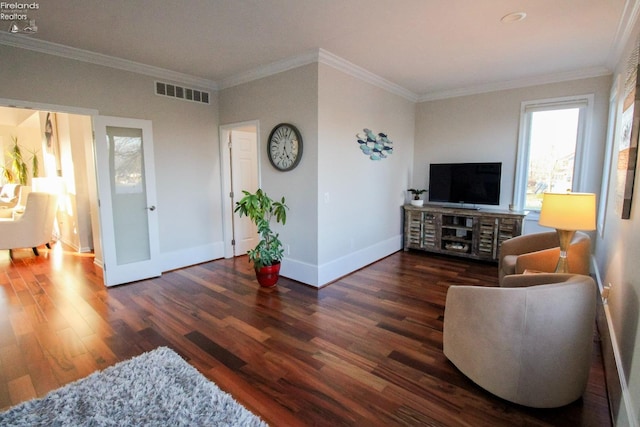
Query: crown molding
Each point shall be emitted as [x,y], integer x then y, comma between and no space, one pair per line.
[347,67]
[323,57]
[269,69]
[624,31]
[30,43]
[317,55]
[516,84]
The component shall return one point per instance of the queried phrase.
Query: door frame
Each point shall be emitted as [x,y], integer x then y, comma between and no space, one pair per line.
[225,178]
[91,169]
[91,164]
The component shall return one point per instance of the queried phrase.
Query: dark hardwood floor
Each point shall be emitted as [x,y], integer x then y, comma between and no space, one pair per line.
[365,350]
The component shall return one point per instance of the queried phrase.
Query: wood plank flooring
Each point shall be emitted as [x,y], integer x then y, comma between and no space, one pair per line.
[365,350]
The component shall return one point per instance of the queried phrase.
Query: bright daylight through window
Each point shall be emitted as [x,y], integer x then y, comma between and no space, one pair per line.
[552,149]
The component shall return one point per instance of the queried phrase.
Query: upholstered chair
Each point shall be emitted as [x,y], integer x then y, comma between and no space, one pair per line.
[529,341]
[32,228]
[540,252]
[6,212]
[9,195]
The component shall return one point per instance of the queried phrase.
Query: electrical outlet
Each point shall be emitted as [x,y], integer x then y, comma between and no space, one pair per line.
[605,291]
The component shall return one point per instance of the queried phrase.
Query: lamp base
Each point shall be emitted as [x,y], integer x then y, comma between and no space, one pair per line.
[565,237]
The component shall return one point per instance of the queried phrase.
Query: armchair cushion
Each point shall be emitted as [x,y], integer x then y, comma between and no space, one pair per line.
[540,252]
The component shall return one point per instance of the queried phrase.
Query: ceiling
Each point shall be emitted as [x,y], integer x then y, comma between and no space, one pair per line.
[424,46]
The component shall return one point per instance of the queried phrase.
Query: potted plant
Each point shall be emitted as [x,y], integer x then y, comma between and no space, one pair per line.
[417,201]
[266,256]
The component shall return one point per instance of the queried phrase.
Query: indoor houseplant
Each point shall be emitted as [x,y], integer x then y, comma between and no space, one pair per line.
[417,201]
[266,256]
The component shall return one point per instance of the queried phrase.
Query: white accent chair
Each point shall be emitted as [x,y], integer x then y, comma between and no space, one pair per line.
[6,212]
[32,228]
[529,341]
[9,195]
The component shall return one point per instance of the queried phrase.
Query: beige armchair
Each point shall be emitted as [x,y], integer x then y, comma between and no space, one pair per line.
[540,252]
[34,227]
[529,344]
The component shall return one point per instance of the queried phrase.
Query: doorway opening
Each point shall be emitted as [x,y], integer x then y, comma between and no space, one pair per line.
[58,151]
[240,172]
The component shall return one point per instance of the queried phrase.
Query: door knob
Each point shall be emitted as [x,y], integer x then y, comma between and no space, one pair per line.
[152,208]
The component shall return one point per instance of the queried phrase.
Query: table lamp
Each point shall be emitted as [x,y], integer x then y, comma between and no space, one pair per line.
[567,213]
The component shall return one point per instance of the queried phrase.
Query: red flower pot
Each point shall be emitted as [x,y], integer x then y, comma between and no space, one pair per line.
[268,275]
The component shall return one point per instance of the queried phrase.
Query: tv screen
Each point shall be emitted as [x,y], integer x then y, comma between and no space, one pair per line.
[473,183]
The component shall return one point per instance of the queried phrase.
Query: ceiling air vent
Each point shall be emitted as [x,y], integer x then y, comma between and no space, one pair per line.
[180,92]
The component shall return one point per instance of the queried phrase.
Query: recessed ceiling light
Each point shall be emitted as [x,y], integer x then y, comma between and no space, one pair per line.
[513,17]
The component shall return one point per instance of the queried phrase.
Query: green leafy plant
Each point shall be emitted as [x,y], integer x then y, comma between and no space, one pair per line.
[261,209]
[17,170]
[35,164]
[18,165]
[416,193]
[7,175]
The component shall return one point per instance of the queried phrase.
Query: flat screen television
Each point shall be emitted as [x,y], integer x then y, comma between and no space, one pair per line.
[471,183]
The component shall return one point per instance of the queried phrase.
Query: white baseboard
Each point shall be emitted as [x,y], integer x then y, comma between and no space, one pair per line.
[191,256]
[320,275]
[625,412]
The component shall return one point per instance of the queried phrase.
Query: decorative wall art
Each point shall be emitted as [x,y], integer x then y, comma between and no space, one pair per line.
[52,148]
[377,147]
[628,143]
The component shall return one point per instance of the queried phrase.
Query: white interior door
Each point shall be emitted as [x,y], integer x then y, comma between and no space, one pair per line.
[127,199]
[244,176]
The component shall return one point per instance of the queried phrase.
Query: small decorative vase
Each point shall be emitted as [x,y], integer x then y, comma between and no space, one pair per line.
[419,202]
[268,275]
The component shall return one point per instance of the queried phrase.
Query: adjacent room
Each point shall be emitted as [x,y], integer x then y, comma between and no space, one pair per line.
[445,192]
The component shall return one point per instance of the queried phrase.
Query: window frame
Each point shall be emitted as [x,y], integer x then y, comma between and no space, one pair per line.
[583,142]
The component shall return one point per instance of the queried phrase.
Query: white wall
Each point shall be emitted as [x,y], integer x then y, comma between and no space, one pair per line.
[291,97]
[359,200]
[485,127]
[74,133]
[185,141]
[617,255]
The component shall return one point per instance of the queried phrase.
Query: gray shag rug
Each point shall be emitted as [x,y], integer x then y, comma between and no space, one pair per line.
[157,388]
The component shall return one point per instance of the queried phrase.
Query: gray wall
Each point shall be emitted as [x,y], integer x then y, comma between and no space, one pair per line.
[359,200]
[185,140]
[291,97]
[485,127]
[344,208]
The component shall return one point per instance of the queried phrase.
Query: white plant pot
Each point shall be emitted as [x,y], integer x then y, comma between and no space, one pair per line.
[417,202]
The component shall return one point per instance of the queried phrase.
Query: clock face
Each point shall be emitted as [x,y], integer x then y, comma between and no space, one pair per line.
[285,147]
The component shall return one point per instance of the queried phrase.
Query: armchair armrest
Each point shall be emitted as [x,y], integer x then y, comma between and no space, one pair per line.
[524,280]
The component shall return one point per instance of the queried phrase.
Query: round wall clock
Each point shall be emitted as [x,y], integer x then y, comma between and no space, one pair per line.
[285,147]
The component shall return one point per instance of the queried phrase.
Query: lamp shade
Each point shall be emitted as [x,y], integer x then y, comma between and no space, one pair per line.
[568,211]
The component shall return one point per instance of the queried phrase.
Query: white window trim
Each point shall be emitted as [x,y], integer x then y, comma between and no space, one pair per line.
[612,130]
[582,146]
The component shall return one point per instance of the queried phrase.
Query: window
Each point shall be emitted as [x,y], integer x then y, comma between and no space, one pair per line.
[552,141]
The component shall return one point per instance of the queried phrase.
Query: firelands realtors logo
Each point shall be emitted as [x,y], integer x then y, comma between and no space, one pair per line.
[18,17]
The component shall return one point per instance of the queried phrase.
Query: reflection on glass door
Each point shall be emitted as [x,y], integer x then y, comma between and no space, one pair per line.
[128,195]
[124,159]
